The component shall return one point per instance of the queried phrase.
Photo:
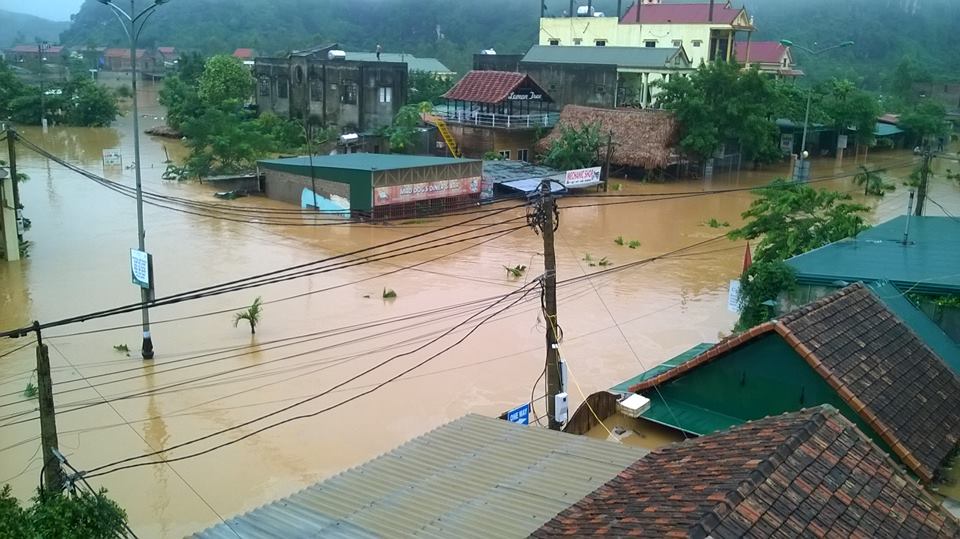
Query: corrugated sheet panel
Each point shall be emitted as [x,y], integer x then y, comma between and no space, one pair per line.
[475,477]
[624,387]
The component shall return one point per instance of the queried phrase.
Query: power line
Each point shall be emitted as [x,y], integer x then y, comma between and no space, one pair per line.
[95,472]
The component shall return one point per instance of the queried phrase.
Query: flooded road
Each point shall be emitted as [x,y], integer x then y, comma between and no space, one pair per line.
[209,375]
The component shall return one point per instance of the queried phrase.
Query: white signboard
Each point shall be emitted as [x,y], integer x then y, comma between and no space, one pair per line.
[786,143]
[842,142]
[583,177]
[140,268]
[733,297]
[112,158]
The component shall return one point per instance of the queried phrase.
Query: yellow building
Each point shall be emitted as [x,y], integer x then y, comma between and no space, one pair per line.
[705,31]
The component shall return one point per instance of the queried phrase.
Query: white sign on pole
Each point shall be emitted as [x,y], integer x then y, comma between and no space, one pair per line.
[842,142]
[583,177]
[112,158]
[140,268]
[733,297]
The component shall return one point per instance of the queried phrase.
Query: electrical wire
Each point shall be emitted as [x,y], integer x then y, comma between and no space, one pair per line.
[116,466]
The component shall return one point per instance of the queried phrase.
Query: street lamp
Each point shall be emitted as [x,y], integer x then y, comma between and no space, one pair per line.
[806,118]
[133,23]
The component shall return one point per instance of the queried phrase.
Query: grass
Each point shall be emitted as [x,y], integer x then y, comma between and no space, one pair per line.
[251,315]
[618,240]
[122,348]
[634,244]
[714,223]
[30,391]
[516,271]
[389,293]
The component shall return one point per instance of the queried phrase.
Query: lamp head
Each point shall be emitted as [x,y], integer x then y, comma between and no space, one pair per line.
[847,44]
[786,42]
[806,154]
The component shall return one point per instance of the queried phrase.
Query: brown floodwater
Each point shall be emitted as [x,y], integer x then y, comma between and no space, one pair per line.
[209,375]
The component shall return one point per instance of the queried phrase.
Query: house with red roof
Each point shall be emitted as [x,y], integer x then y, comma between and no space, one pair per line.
[706,31]
[118,59]
[771,57]
[495,111]
[31,52]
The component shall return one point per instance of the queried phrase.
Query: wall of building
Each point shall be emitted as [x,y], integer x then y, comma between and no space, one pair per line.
[687,34]
[288,187]
[476,141]
[576,84]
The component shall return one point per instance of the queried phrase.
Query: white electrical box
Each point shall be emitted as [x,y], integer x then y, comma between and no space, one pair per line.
[560,407]
[634,406]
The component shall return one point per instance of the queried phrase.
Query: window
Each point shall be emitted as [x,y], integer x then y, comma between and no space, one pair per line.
[523,155]
[316,90]
[577,41]
[678,43]
[650,43]
[504,154]
[697,42]
[283,88]
[785,62]
[348,93]
[385,94]
[601,42]
[264,87]
[554,42]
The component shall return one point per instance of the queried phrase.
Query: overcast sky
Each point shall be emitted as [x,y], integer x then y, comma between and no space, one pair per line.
[57,10]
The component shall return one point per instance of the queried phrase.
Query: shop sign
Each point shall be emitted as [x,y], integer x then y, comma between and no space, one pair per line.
[398,194]
[583,177]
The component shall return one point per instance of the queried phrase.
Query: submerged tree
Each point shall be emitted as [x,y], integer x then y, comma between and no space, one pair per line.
[872,182]
[79,515]
[576,148]
[251,315]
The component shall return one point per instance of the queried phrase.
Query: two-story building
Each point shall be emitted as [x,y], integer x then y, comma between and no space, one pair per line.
[769,57]
[323,85]
[706,31]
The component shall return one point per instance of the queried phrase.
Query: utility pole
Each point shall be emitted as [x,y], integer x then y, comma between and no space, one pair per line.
[52,473]
[924,179]
[606,163]
[14,183]
[545,219]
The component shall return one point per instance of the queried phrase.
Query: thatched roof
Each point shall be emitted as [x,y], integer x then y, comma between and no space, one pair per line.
[641,138]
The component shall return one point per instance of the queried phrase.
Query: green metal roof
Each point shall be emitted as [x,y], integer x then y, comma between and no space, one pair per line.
[475,477]
[430,65]
[925,328]
[624,387]
[369,162]
[928,264]
[886,130]
[687,417]
[626,57]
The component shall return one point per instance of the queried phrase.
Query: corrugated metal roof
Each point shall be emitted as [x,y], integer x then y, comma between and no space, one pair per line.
[928,264]
[624,387]
[627,57]
[475,477]
[430,65]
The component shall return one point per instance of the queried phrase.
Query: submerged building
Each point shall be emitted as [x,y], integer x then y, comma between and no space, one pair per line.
[323,85]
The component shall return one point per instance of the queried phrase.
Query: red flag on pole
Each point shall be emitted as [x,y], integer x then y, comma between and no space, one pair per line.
[747,258]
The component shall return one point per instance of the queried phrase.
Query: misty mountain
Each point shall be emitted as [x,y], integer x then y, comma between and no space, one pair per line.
[885,31]
[18,28]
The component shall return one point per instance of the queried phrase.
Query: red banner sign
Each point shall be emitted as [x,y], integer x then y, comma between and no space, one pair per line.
[398,194]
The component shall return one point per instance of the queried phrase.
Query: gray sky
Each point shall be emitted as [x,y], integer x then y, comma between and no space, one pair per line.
[57,10]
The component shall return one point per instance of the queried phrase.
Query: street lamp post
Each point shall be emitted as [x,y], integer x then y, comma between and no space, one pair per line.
[41,48]
[133,23]
[806,118]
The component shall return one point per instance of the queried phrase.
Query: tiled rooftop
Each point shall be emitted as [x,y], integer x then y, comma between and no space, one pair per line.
[876,364]
[485,86]
[809,473]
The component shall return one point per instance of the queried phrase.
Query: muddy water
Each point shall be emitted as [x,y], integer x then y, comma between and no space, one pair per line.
[614,326]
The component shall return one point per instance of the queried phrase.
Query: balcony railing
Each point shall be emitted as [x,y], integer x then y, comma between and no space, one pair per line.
[500,121]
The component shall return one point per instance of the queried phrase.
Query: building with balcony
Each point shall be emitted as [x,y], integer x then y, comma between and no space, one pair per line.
[323,85]
[706,31]
[497,111]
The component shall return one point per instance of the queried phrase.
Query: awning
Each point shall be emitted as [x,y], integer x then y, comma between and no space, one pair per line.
[886,130]
[531,186]
[686,417]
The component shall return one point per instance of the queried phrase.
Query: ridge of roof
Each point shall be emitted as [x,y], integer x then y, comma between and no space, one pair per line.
[797,473]
[869,372]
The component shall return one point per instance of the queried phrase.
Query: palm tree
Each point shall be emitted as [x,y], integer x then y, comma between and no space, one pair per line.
[872,182]
[251,315]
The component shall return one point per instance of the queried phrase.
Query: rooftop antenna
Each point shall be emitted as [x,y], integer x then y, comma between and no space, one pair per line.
[906,230]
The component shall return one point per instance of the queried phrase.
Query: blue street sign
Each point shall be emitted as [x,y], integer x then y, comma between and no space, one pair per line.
[520,414]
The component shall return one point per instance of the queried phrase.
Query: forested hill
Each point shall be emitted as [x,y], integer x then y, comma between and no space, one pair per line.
[452,30]
[18,28]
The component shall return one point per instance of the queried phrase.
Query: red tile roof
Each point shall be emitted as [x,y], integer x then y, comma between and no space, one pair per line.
[681,14]
[808,473]
[50,49]
[488,86]
[875,363]
[122,53]
[243,53]
[765,52]
[167,50]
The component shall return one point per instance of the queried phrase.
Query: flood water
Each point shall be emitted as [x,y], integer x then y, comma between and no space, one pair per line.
[209,375]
